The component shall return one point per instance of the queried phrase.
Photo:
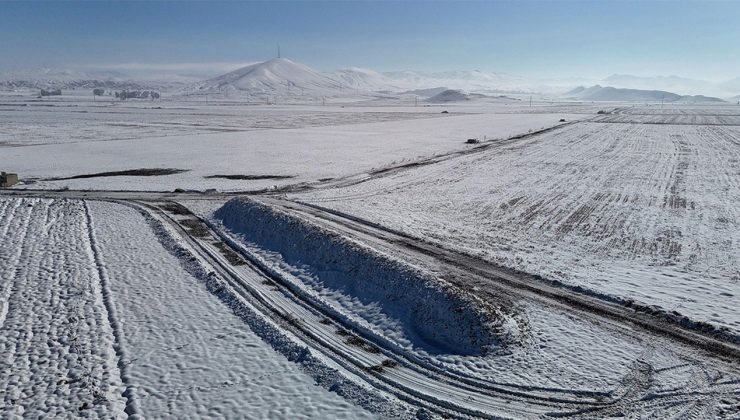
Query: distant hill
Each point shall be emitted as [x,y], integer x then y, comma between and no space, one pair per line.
[467,80]
[48,78]
[599,93]
[427,93]
[699,99]
[664,83]
[278,77]
[366,80]
[611,94]
[449,95]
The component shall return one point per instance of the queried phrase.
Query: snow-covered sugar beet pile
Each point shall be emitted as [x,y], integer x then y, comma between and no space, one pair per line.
[375,292]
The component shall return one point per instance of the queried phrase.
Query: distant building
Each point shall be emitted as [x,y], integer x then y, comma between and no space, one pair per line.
[53,92]
[8,180]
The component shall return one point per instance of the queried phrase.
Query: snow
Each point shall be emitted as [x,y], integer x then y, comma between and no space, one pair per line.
[172,345]
[57,353]
[555,353]
[469,80]
[52,78]
[276,77]
[59,141]
[366,80]
[639,203]
[639,211]
[382,293]
[611,94]
[449,95]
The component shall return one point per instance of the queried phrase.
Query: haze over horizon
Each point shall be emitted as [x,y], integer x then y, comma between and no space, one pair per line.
[536,39]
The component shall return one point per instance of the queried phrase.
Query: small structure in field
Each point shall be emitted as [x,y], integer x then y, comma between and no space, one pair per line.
[8,180]
[51,92]
[472,141]
[562,120]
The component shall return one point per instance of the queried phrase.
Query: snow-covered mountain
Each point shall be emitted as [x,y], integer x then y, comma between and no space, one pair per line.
[281,78]
[471,81]
[666,83]
[449,95]
[676,84]
[367,80]
[48,78]
[278,77]
[599,93]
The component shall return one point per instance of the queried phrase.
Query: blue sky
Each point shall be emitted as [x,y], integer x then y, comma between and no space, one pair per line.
[536,39]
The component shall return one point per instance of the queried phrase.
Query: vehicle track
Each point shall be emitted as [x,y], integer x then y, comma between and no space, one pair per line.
[511,281]
[407,378]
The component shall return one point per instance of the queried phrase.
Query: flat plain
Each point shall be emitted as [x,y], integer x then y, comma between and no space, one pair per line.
[183,259]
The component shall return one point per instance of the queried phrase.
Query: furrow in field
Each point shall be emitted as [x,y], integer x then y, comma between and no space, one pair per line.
[110,313]
[51,334]
[641,211]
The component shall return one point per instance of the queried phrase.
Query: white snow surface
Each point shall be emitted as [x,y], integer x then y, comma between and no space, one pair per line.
[553,352]
[57,356]
[42,143]
[366,80]
[645,212]
[97,316]
[276,77]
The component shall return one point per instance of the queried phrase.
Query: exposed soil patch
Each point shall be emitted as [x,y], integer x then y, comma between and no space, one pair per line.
[128,172]
[230,254]
[249,177]
[195,227]
[176,209]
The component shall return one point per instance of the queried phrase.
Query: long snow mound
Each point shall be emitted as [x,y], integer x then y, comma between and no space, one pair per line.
[440,317]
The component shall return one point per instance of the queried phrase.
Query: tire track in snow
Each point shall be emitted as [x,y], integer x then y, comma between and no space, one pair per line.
[132,406]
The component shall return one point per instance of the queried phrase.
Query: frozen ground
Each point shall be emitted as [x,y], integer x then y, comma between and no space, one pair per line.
[300,143]
[97,317]
[543,351]
[641,211]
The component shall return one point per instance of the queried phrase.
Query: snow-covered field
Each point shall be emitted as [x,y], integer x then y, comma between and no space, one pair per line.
[103,315]
[96,317]
[641,211]
[276,145]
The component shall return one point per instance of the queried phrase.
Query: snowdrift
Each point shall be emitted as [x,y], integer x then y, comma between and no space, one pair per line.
[436,317]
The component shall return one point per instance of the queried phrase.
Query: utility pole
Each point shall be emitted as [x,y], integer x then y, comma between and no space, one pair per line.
[530,101]
[416,101]
[278,50]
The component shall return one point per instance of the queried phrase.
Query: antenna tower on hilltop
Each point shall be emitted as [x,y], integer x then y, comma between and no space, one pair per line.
[278,50]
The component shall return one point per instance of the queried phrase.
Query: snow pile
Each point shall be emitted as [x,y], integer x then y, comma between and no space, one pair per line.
[434,316]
